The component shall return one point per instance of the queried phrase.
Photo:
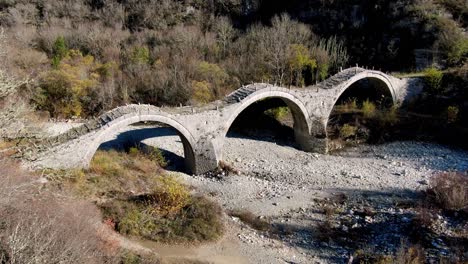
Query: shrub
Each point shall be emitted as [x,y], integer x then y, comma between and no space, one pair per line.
[169,195]
[278,113]
[202,93]
[107,163]
[136,222]
[141,202]
[149,152]
[404,255]
[211,79]
[299,62]
[368,109]
[199,220]
[433,79]
[140,55]
[128,257]
[449,191]
[250,219]
[59,50]
[452,114]
[63,88]
[347,131]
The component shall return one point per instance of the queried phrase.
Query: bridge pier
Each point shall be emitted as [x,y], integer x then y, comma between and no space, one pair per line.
[203,130]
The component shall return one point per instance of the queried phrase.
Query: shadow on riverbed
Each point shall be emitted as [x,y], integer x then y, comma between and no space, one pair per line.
[375,222]
[125,140]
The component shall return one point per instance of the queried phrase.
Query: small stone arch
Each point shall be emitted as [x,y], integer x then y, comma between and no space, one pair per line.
[373,75]
[299,112]
[187,139]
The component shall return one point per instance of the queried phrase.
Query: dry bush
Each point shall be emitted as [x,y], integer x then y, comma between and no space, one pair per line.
[368,109]
[226,167]
[252,220]
[449,191]
[347,131]
[405,254]
[38,227]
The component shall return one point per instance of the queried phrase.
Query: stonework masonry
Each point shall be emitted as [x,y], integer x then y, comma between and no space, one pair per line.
[203,129]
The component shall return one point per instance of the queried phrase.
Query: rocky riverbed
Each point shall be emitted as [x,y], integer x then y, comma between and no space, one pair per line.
[317,204]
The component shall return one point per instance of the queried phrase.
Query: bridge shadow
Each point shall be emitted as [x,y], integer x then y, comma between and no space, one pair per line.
[327,238]
[128,139]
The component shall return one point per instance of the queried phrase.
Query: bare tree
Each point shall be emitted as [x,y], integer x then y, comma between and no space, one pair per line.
[224,33]
[275,42]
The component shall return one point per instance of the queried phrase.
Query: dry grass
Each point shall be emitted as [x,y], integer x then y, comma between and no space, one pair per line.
[41,227]
[7,150]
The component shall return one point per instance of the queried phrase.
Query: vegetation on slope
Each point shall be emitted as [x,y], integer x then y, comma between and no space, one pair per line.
[139,199]
[84,57]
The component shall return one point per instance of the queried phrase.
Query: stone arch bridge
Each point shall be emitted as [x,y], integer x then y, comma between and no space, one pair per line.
[203,129]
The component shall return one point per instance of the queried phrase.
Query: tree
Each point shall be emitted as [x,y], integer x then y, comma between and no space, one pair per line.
[224,33]
[273,44]
[63,88]
[299,61]
[60,50]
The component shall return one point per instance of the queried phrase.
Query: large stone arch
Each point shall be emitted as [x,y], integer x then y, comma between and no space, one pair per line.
[187,139]
[372,75]
[299,112]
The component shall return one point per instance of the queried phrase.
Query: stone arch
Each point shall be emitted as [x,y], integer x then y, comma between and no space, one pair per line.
[371,75]
[299,112]
[187,139]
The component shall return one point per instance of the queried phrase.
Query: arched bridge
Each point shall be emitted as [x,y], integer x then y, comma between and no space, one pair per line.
[203,129]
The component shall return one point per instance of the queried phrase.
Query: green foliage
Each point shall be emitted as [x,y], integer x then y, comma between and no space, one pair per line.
[299,62]
[169,196]
[198,221]
[368,109]
[140,55]
[458,51]
[128,257]
[66,89]
[433,79]
[136,222]
[278,113]
[336,50]
[149,152]
[347,131]
[201,92]
[60,51]
[322,71]
[211,77]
